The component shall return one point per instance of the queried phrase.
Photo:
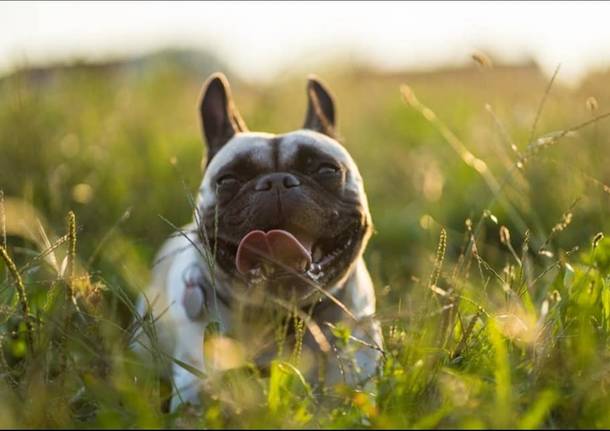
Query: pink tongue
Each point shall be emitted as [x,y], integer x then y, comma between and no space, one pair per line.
[276,246]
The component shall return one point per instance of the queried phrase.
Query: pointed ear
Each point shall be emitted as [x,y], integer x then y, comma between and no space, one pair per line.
[320,108]
[219,117]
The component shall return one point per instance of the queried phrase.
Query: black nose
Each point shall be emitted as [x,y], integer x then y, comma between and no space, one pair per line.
[276,180]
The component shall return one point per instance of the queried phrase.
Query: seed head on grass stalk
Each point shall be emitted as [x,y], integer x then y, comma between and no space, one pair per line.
[69,294]
[566,219]
[2,219]
[592,104]
[597,238]
[505,239]
[3,222]
[482,60]
[71,254]
[551,139]
[438,262]
[466,334]
[23,298]
[299,333]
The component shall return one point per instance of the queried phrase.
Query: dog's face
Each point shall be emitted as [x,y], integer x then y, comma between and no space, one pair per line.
[286,212]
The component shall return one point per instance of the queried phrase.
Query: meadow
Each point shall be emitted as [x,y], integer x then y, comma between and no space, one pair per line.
[489,187]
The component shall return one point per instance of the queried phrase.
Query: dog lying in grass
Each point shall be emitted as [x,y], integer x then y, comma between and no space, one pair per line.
[273,258]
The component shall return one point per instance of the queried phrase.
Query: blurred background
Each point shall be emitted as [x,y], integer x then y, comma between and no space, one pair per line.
[98,114]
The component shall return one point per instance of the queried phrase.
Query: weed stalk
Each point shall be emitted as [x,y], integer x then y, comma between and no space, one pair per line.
[23,298]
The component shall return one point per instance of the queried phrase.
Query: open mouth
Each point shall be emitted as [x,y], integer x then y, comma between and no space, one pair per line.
[279,254]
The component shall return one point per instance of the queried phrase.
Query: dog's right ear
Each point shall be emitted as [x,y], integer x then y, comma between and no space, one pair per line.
[320,108]
[219,117]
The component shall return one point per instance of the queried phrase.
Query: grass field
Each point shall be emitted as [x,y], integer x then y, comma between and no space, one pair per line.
[489,189]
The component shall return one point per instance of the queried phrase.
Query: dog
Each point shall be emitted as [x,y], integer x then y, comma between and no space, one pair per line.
[280,226]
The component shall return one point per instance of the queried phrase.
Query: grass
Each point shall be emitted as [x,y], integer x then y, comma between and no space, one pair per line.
[488,192]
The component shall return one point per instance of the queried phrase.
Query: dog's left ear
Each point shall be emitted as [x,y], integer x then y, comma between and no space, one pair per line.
[320,108]
[219,117]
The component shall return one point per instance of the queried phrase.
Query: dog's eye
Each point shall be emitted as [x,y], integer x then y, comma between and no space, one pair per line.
[326,169]
[227,180]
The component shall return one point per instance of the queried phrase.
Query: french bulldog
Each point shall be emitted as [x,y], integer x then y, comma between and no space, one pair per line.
[280,226]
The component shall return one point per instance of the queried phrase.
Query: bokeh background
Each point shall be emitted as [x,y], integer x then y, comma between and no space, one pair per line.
[98,115]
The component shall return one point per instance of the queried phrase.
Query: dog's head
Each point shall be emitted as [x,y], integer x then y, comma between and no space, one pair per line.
[284,211]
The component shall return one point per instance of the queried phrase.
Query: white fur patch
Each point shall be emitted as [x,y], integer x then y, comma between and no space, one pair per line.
[254,143]
[290,145]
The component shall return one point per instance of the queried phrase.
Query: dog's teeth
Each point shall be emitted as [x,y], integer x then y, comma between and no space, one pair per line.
[255,276]
[315,271]
[256,271]
[318,254]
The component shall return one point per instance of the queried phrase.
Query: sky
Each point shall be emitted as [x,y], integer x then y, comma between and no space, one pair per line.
[259,40]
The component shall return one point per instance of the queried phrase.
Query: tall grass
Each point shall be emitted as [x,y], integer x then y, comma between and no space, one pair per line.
[490,263]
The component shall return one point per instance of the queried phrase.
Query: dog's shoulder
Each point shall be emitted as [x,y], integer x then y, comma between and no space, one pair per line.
[157,298]
[359,293]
